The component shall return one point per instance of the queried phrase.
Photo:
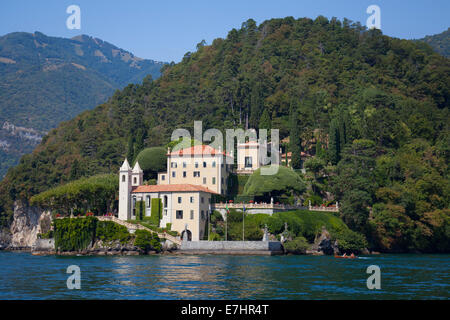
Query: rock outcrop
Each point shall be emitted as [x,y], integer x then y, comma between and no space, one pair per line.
[26,225]
[323,244]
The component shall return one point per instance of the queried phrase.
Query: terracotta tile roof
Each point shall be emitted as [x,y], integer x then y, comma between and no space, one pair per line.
[197,150]
[289,154]
[171,188]
[249,144]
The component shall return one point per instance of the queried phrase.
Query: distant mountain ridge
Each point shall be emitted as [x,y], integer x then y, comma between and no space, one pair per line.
[439,42]
[45,80]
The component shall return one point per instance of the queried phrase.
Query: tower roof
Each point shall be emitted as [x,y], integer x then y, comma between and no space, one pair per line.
[202,150]
[125,166]
[172,188]
[137,168]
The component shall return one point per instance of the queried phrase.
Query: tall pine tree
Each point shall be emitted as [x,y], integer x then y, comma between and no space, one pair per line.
[334,142]
[130,153]
[265,122]
[295,142]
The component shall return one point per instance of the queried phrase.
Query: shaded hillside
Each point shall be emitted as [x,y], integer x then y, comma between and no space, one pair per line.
[45,80]
[379,95]
[439,42]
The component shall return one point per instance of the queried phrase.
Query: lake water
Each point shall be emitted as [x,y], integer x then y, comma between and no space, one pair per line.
[24,276]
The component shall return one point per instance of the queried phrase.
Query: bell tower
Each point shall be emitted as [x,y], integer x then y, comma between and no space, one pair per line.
[137,175]
[125,191]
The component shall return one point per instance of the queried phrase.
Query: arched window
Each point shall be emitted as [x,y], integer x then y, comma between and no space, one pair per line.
[148,201]
[165,201]
[134,180]
[123,178]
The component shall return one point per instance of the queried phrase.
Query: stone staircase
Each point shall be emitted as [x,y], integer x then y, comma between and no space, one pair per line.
[132,226]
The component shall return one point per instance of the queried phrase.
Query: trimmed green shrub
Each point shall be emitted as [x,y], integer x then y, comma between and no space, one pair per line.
[140,210]
[152,160]
[147,241]
[74,234]
[111,231]
[297,246]
[284,183]
[156,211]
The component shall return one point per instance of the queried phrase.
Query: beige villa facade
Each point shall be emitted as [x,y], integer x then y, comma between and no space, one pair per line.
[198,165]
[193,176]
[184,206]
[251,156]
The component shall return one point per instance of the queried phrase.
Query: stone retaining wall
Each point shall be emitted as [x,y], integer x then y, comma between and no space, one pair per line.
[230,247]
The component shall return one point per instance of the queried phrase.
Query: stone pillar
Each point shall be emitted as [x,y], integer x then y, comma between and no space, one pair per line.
[266,234]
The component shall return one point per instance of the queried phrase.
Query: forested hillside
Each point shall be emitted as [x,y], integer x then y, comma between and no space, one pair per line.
[45,80]
[439,42]
[373,109]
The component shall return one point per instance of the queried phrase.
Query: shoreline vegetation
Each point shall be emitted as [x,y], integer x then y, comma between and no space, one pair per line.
[300,232]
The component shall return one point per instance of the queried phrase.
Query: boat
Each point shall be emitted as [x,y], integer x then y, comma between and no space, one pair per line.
[352,256]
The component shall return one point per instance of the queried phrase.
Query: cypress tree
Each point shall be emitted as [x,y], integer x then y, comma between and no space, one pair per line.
[139,145]
[295,141]
[334,143]
[130,153]
[265,122]
[255,106]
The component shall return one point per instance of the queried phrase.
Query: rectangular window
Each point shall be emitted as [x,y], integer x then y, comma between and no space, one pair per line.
[179,214]
[184,174]
[173,164]
[184,164]
[163,177]
[179,199]
[196,164]
[214,180]
[204,180]
[203,215]
[173,174]
[192,199]
[192,214]
[248,162]
[196,174]
[214,164]
[204,164]
[202,199]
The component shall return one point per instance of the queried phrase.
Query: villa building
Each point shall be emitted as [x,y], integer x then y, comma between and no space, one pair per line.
[198,165]
[252,155]
[193,175]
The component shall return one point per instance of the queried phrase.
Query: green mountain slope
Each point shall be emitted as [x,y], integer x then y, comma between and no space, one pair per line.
[380,94]
[45,80]
[439,42]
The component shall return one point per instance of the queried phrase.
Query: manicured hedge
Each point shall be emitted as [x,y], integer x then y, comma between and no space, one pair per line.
[74,234]
[111,231]
[140,210]
[156,211]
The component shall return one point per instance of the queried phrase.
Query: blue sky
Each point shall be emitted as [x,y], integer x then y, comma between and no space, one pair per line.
[166,30]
